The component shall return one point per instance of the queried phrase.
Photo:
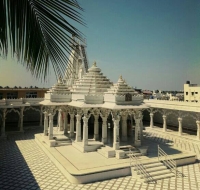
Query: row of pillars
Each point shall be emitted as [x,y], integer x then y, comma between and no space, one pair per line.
[48,128]
[180,129]
[20,121]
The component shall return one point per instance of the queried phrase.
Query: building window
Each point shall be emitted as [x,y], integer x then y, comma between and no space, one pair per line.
[128,97]
[1,96]
[12,95]
[192,93]
[196,92]
[31,94]
[186,93]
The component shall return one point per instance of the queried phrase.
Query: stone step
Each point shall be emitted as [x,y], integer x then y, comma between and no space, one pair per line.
[164,176]
[156,168]
[107,152]
[158,173]
[62,138]
[63,143]
[153,165]
[135,154]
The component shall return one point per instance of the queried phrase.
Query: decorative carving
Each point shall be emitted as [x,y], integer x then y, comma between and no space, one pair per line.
[31,108]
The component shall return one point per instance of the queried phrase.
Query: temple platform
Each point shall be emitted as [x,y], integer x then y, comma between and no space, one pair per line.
[80,167]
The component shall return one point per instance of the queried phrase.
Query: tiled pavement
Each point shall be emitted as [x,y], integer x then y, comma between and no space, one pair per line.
[23,165]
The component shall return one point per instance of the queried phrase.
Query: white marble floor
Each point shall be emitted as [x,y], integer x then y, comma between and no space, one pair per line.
[23,165]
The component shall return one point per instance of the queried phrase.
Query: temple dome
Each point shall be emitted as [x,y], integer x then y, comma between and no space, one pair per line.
[121,88]
[122,94]
[91,86]
[59,92]
[60,88]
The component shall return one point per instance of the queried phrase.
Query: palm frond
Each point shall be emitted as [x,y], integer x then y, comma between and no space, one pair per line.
[39,32]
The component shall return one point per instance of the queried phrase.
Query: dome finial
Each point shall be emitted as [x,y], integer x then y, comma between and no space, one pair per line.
[120,76]
[95,64]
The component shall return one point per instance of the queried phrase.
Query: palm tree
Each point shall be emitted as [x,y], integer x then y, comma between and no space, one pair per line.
[38,32]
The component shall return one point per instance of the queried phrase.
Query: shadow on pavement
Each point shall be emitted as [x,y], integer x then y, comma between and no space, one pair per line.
[14,171]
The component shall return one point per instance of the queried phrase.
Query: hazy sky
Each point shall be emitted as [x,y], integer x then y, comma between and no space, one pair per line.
[154,44]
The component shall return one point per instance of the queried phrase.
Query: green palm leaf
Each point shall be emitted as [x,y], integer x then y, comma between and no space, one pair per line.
[39,33]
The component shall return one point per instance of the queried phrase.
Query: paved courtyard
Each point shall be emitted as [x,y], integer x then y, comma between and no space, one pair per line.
[23,165]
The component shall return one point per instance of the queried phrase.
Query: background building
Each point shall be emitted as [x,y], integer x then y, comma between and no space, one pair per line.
[191,92]
[15,93]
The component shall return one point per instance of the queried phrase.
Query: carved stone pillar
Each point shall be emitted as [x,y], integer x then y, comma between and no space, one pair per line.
[151,120]
[50,126]
[164,123]
[60,120]
[85,131]
[3,129]
[18,125]
[78,127]
[71,125]
[96,127]
[179,126]
[116,133]
[21,119]
[45,123]
[141,127]
[65,116]
[104,129]
[41,113]
[124,127]
[198,129]
[131,129]
[137,132]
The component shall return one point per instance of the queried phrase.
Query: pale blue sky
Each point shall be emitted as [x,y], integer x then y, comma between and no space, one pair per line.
[154,44]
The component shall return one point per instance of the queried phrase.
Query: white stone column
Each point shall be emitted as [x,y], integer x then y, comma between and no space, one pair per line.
[71,125]
[179,126]
[85,131]
[151,120]
[65,115]
[96,127]
[141,127]
[21,119]
[131,130]
[104,129]
[60,121]
[124,127]
[198,129]
[18,125]
[116,133]
[41,116]
[137,132]
[50,126]
[164,123]
[78,127]
[3,129]
[45,123]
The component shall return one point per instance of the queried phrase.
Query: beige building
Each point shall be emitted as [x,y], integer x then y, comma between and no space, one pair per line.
[15,93]
[191,92]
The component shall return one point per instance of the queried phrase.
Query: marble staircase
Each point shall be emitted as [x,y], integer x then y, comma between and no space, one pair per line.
[62,140]
[108,152]
[154,171]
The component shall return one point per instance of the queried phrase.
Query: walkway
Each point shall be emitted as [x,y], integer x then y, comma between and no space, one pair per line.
[23,165]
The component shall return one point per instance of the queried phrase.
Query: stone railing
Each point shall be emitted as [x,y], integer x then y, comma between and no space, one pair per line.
[175,102]
[20,101]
